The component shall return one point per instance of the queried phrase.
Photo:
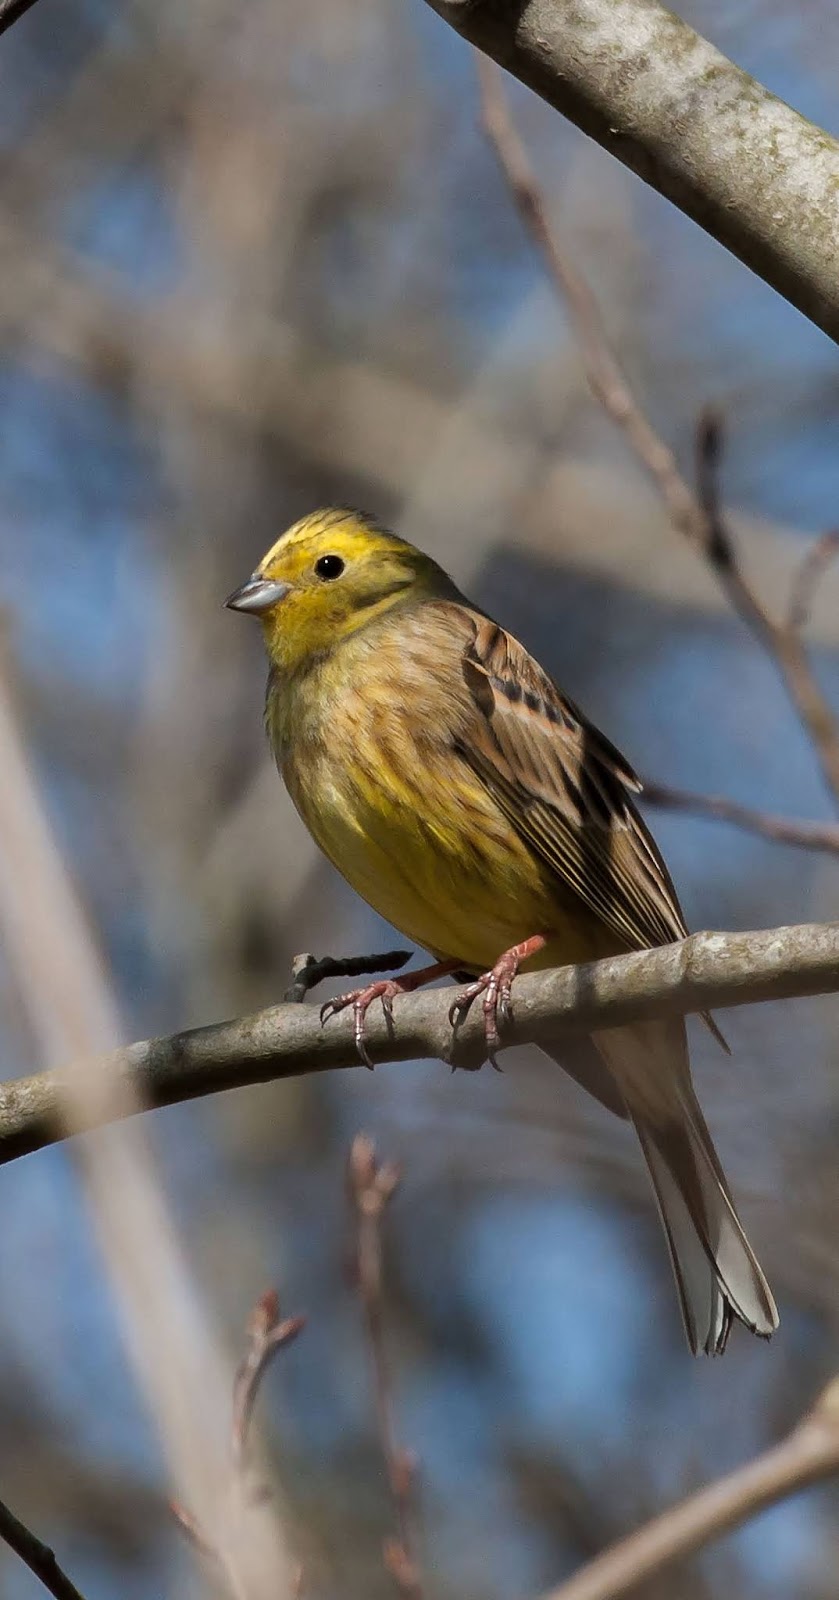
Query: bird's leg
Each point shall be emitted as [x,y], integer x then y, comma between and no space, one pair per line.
[496,987]
[386,990]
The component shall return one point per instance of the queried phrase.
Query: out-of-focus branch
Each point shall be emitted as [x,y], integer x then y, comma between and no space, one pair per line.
[38,1557]
[11,10]
[698,516]
[72,1016]
[267,1333]
[752,172]
[708,971]
[371,1186]
[606,379]
[811,570]
[806,835]
[810,1453]
[780,637]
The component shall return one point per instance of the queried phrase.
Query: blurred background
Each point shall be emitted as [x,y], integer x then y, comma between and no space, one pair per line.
[254,260]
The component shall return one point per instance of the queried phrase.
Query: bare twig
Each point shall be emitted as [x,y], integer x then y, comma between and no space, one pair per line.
[698,517]
[371,1185]
[308,971]
[11,11]
[811,570]
[780,640]
[810,1453]
[267,1333]
[708,971]
[664,101]
[606,379]
[38,1557]
[805,834]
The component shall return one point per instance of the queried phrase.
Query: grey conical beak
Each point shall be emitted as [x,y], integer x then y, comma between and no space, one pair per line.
[257,595]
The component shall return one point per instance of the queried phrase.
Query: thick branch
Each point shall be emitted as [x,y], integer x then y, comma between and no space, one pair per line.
[706,971]
[810,1453]
[752,172]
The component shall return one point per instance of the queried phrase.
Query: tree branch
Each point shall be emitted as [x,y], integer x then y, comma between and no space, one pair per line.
[752,172]
[372,1185]
[11,10]
[810,1453]
[698,516]
[780,637]
[805,834]
[38,1557]
[707,971]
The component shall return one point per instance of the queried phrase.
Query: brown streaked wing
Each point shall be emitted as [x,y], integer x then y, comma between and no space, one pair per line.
[565,789]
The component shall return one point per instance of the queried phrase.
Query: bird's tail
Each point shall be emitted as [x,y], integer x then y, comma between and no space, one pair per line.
[717,1274]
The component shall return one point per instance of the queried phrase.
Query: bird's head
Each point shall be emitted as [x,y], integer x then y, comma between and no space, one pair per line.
[331,574]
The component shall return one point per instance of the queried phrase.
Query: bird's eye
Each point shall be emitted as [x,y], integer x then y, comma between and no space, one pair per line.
[329,566]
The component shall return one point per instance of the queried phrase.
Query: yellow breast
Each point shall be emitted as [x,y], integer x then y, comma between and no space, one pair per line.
[402,816]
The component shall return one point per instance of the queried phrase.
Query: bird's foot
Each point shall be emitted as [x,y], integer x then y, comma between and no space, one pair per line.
[384,989]
[496,986]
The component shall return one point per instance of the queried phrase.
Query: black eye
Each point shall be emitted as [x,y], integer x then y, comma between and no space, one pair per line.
[329,566]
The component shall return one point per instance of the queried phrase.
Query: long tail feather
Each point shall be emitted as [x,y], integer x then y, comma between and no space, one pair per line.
[717,1274]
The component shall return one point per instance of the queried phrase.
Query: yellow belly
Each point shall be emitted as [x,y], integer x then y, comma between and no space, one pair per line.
[442,864]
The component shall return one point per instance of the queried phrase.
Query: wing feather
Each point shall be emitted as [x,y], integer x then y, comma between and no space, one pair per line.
[565,789]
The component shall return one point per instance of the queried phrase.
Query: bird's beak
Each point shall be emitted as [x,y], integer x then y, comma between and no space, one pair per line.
[258,595]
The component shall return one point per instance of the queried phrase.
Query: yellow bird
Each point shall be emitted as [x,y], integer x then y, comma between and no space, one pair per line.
[474,807]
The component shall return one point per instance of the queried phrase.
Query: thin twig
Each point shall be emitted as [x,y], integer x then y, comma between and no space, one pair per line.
[707,971]
[811,570]
[606,379]
[11,11]
[809,1454]
[267,1333]
[698,516]
[307,970]
[806,835]
[781,641]
[38,1557]
[371,1186]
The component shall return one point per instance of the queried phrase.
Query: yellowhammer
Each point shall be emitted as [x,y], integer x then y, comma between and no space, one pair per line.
[471,803]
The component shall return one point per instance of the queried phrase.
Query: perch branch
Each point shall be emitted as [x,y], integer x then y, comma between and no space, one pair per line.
[707,971]
[809,1454]
[752,172]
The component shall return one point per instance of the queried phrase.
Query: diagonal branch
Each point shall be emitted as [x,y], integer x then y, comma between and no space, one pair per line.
[809,1454]
[805,834]
[38,1557]
[708,971]
[780,638]
[752,172]
[699,517]
[11,11]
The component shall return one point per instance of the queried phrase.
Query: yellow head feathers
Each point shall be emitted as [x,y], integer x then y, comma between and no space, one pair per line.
[332,573]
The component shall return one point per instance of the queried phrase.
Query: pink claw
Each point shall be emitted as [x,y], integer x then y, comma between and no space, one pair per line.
[496,986]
